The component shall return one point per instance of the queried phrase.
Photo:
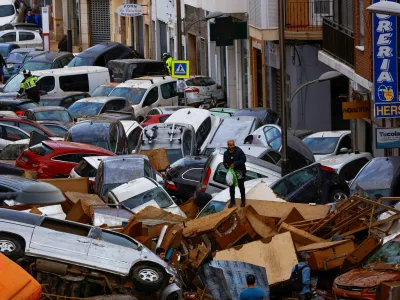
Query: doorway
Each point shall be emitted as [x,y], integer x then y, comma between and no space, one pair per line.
[339,94]
[192,51]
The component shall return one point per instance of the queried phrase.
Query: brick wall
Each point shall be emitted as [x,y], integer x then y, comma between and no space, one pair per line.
[363,59]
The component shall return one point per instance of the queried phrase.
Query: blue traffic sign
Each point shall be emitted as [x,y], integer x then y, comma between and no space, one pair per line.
[180,69]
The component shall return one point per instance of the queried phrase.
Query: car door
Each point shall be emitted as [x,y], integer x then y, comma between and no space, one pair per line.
[150,101]
[27,39]
[10,134]
[61,240]
[134,138]
[169,94]
[112,251]
[9,37]
[345,142]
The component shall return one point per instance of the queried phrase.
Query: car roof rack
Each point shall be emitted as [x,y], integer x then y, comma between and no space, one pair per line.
[153,135]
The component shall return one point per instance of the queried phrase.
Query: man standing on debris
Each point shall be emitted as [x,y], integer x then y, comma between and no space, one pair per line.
[234,158]
[252,293]
[301,273]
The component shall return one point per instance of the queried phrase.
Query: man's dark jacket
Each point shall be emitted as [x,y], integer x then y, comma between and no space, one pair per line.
[237,157]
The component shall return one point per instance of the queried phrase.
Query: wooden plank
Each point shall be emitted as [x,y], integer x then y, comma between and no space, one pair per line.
[386,207]
[291,216]
[277,256]
[80,185]
[300,236]
[377,223]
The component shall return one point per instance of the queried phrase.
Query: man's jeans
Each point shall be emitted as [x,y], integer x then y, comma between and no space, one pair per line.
[242,191]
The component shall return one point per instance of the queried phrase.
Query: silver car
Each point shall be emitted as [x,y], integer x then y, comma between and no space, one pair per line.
[203,89]
[214,172]
[100,253]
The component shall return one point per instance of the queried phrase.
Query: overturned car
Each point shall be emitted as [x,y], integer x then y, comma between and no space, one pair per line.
[78,260]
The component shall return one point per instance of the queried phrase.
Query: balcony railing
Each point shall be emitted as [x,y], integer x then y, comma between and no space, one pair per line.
[338,41]
[303,15]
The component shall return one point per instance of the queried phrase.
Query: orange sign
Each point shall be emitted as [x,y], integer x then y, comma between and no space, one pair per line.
[356,110]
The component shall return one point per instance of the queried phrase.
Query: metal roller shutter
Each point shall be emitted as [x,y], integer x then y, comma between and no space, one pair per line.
[99,12]
[278,91]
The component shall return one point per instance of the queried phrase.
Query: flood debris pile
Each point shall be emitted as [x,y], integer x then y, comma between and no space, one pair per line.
[213,254]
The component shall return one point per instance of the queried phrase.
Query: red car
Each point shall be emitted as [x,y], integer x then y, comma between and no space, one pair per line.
[154,119]
[52,159]
[26,125]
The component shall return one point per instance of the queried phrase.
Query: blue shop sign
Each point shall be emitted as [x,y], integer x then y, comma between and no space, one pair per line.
[385,88]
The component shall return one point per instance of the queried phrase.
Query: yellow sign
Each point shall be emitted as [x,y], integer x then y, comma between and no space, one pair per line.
[180,69]
[356,110]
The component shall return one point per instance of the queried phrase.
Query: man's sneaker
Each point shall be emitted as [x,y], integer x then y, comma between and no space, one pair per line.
[231,205]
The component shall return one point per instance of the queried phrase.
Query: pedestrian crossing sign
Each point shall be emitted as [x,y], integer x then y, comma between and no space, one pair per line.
[180,69]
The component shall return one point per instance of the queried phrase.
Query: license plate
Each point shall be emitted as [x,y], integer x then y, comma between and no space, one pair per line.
[24,159]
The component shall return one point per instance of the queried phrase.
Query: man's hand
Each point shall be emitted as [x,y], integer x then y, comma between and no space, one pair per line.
[231,166]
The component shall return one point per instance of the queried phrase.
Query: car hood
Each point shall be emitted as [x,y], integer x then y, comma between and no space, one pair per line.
[365,278]
[318,157]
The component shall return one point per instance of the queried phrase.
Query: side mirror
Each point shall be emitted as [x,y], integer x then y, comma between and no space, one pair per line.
[343,150]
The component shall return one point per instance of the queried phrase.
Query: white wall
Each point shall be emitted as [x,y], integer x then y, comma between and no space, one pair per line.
[225,6]
[166,10]
[194,3]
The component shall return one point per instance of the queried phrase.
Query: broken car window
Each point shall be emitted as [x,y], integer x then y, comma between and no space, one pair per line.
[157,194]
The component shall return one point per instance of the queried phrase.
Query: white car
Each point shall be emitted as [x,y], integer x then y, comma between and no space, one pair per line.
[23,38]
[145,93]
[201,90]
[9,11]
[10,134]
[220,200]
[142,192]
[203,122]
[347,165]
[329,143]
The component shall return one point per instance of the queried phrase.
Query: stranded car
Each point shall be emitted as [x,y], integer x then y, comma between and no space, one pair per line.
[48,60]
[64,99]
[56,158]
[49,113]
[117,259]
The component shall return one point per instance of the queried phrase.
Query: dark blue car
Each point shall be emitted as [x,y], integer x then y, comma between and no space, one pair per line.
[312,184]
[5,49]
[14,61]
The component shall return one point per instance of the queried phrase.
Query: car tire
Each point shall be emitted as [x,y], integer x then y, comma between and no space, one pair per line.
[337,195]
[148,277]
[11,246]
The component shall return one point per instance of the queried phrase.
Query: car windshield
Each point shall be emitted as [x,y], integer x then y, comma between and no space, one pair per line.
[121,171]
[6,10]
[13,84]
[98,138]
[81,61]
[101,90]
[12,151]
[56,130]
[53,115]
[82,109]
[238,130]
[133,95]
[212,207]
[36,66]
[16,57]
[27,105]
[157,194]
[50,102]
[389,253]
[376,178]
[174,155]
[4,51]
[322,145]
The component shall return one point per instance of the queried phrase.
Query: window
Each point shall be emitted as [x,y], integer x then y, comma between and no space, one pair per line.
[57,65]
[154,112]
[187,142]
[9,37]
[79,82]
[113,137]
[116,239]
[41,149]
[133,139]
[65,61]
[26,36]
[343,14]
[114,105]
[361,19]
[273,137]
[14,134]
[168,90]
[46,83]
[84,169]
[163,119]
[193,174]
[203,131]
[221,171]
[72,158]
[151,97]
[100,61]
[288,185]
[114,53]
[29,129]
[156,194]
[345,142]
[71,228]
[67,102]
[349,171]
[322,7]
[209,81]
[148,170]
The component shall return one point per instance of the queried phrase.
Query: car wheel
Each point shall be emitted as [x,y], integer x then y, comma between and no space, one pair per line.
[337,195]
[10,246]
[148,277]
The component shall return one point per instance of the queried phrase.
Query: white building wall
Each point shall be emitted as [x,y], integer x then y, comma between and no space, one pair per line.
[263,13]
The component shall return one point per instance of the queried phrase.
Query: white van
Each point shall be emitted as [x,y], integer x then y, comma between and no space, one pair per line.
[145,93]
[9,11]
[83,79]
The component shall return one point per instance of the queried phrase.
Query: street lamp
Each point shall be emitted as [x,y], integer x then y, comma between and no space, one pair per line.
[324,77]
[211,15]
[385,8]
